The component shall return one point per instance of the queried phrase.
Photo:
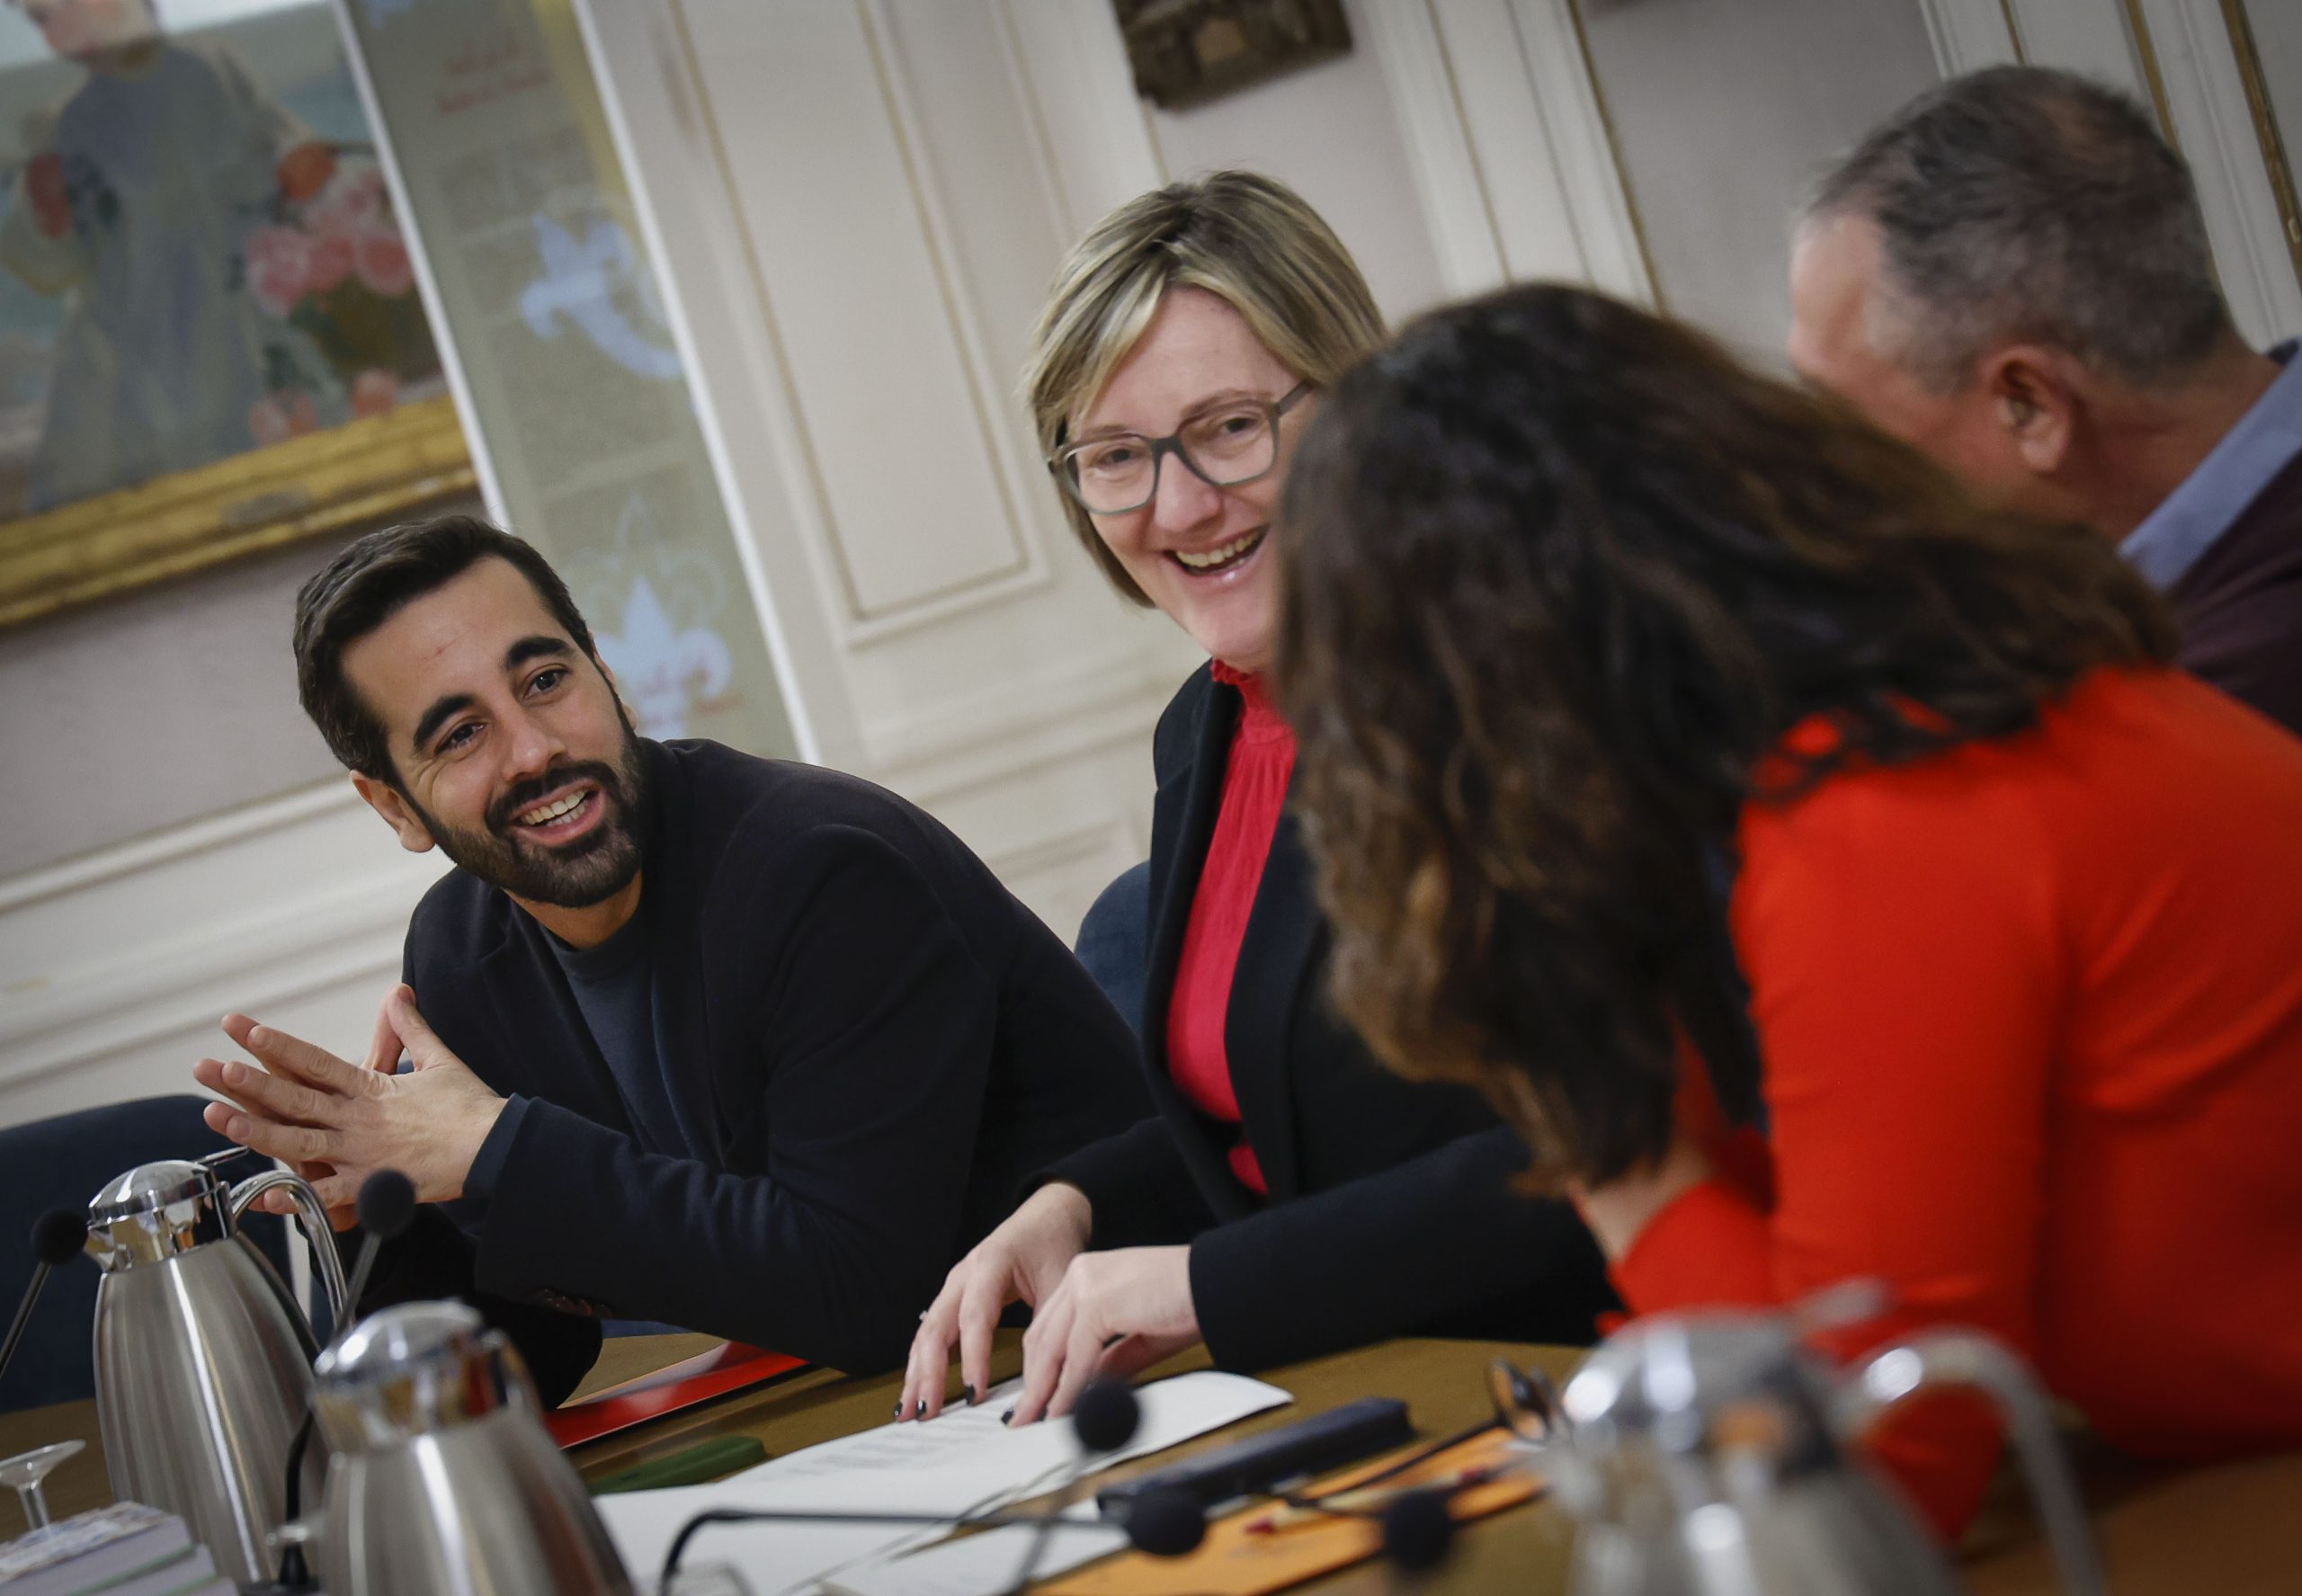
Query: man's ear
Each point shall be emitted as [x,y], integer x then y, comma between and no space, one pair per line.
[2036,397]
[607,674]
[388,801]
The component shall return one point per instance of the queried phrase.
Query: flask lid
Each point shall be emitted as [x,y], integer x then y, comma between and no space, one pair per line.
[395,1340]
[1669,1377]
[413,1369]
[150,1187]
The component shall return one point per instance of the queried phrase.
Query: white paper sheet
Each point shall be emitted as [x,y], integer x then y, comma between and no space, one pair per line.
[985,1564]
[960,1463]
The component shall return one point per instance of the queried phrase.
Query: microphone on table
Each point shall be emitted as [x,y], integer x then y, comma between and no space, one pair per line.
[387,1208]
[1417,1525]
[1418,1530]
[1164,1523]
[58,1235]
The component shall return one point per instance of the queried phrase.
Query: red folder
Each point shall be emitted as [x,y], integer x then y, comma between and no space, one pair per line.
[729,1367]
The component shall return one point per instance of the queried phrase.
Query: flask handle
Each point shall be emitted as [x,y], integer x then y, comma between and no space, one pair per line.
[1948,1359]
[317,1230]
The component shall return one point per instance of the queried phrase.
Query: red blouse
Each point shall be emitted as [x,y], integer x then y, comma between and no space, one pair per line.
[1254,789]
[2031,1013]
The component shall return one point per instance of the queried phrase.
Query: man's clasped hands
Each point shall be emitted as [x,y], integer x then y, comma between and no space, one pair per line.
[337,1123]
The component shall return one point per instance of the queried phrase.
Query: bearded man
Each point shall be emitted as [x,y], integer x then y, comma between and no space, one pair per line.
[744,1045]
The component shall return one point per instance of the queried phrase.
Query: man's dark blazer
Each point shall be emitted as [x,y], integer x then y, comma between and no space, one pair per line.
[1390,1208]
[2240,604]
[869,1043]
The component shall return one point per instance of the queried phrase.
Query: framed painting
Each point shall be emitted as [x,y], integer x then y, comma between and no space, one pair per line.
[210,338]
[1187,52]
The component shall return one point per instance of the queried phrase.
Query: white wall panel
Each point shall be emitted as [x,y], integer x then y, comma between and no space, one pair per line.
[858,280]
[120,963]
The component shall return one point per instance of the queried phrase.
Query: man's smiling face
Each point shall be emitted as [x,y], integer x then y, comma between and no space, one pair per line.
[513,752]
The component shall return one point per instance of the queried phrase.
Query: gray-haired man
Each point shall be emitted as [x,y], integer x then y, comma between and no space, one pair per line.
[2012,274]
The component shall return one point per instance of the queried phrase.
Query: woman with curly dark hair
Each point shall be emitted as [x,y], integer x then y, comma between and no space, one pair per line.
[1829,876]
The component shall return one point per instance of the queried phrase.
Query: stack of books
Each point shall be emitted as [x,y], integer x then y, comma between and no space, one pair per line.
[127,1549]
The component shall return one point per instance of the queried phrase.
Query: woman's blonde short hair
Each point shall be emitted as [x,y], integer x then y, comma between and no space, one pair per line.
[1247,239]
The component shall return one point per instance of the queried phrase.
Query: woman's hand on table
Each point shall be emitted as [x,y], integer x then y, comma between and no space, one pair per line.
[1023,1261]
[1115,1313]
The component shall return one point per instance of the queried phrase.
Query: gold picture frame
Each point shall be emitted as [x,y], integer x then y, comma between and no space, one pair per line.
[370,469]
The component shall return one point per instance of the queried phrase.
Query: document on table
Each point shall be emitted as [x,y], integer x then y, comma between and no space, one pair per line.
[986,1565]
[962,1463]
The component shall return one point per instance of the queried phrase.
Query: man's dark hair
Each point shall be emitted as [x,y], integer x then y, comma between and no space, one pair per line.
[368,583]
[2022,202]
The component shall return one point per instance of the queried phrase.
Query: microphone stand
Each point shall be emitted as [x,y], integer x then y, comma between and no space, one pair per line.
[1105,1420]
[57,1236]
[387,1207]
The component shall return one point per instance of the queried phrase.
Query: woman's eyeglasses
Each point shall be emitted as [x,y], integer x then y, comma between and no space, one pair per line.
[1223,446]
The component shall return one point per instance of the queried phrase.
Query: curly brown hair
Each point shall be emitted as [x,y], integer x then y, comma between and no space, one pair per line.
[1558,575]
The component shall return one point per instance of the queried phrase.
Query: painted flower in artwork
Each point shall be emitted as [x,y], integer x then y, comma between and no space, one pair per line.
[277,417]
[336,270]
[279,268]
[374,392]
[331,261]
[664,671]
[381,260]
[353,201]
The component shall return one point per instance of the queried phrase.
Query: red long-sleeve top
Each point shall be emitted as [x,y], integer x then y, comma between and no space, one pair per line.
[1262,759]
[2031,1017]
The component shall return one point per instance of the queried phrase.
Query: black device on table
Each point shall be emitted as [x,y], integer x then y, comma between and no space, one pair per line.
[1267,1462]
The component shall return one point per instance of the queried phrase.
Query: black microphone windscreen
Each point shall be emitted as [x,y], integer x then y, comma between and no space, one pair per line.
[1418,1531]
[1106,1417]
[58,1235]
[1167,1522]
[387,1204]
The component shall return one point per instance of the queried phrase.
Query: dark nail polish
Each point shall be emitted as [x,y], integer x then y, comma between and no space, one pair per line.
[898,1408]
[967,1392]
[923,1408]
[1007,1415]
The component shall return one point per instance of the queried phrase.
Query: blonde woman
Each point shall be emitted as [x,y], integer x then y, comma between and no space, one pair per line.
[1290,1197]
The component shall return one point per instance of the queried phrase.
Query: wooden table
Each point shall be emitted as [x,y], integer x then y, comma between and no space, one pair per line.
[2233,1531]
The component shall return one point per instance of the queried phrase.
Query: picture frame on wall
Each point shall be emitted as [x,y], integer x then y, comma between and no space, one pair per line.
[1187,52]
[210,337]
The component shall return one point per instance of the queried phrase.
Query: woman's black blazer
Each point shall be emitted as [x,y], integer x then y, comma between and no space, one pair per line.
[1391,1211]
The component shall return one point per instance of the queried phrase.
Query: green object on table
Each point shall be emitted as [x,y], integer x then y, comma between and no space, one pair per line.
[697,1464]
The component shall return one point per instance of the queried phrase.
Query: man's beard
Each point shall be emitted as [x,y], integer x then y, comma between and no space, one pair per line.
[589,870]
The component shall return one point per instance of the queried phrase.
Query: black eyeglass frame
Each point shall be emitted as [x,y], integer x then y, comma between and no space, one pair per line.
[1059,463]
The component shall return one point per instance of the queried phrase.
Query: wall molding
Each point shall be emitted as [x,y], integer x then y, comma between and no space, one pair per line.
[129,956]
[1970,34]
[158,990]
[993,403]
[207,835]
[660,121]
[987,397]
[1582,146]
[1074,67]
[1510,144]
[1007,729]
[2196,67]
[1457,207]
